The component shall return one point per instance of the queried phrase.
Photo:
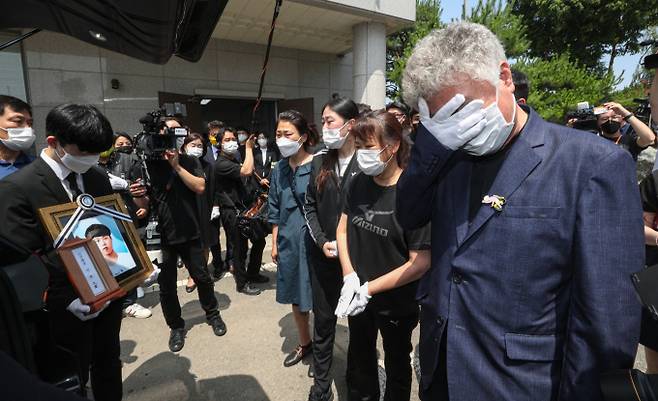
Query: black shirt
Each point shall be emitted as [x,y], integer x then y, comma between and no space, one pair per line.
[649,197]
[485,170]
[628,141]
[174,203]
[377,243]
[229,183]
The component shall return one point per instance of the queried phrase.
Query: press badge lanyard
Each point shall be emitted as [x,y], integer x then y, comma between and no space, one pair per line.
[85,203]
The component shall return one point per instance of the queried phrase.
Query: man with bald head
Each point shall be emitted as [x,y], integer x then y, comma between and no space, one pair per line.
[536,229]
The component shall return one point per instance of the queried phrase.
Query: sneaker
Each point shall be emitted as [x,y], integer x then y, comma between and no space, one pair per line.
[319,395]
[137,311]
[297,355]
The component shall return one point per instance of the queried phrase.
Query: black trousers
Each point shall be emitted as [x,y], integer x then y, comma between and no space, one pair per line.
[96,344]
[438,389]
[326,282]
[229,219]
[362,369]
[216,249]
[129,299]
[242,271]
[192,255]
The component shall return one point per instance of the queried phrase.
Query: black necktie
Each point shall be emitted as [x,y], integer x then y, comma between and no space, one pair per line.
[73,185]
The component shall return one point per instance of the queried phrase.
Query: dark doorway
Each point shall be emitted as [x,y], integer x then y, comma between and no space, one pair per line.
[237,113]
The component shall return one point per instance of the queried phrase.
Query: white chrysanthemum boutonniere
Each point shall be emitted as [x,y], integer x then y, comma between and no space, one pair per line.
[495,201]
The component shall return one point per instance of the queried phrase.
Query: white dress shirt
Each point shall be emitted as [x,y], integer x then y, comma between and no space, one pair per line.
[62,172]
[263,152]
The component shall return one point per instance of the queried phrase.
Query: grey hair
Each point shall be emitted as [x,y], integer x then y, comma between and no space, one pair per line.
[440,58]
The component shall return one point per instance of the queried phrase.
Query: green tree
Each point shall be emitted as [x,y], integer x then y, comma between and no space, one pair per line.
[497,15]
[400,45]
[559,83]
[586,29]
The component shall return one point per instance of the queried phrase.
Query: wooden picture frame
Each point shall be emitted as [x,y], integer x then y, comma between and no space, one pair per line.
[89,273]
[134,266]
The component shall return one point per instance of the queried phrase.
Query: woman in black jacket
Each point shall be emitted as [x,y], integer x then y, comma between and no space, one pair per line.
[193,145]
[331,172]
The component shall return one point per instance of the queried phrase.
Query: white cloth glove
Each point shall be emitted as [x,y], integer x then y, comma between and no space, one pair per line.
[214,214]
[360,301]
[118,183]
[454,130]
[351,285]
[81,311]
[334,250]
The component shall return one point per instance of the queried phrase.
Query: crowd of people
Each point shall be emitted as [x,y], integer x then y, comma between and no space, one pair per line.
[510,240]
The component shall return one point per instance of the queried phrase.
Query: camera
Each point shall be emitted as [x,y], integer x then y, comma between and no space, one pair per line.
[585,116]
[156,138]
[643,109]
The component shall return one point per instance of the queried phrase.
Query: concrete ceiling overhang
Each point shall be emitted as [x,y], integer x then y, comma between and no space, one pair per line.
[314,25]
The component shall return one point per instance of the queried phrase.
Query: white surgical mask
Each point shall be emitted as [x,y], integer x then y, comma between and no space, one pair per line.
[332,138]
[288,147]
[230,148]
[179,142]
[194,151]
[495,132]
[262,143]
[78,164]
[242,137]
[369,161]
[18,138]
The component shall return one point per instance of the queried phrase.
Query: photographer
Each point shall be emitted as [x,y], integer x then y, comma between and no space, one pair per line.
[193,145]
[175,183]
[229,175]
[76,134]
[125,174]
[611,123]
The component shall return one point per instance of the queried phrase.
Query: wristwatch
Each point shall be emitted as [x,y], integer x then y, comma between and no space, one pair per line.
[628,116]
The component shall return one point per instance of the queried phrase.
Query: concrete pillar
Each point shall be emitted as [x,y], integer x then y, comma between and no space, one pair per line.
[369,68]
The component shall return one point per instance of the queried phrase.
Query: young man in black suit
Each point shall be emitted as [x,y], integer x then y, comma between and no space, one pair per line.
[76,134]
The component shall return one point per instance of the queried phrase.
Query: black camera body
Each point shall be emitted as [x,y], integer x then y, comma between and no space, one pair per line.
[585,119]
[643,109]
[586,116]
[156,138]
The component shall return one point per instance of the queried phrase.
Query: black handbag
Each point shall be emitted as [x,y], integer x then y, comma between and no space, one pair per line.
[252,223]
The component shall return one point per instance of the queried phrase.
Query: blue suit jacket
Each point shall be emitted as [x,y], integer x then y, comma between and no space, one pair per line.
[536,300]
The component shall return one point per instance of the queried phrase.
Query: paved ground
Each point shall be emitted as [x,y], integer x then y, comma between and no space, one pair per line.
[245,364]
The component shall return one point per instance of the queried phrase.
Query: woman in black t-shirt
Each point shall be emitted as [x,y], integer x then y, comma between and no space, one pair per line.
[375,250]
[649,330]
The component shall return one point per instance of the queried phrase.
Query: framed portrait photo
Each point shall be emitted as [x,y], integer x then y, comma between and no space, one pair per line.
[89,273]
[116,239]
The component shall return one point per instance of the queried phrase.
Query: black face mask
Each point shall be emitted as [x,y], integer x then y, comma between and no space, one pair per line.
[124,149]
[610,127]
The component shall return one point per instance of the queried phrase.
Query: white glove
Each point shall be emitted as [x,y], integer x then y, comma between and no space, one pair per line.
[334,249]
[360,301]
[214,214]
[454,130]
[118,183]
[351,285]
[81,311]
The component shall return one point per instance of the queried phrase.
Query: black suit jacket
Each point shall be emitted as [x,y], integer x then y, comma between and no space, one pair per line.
[264,169]
[23,194]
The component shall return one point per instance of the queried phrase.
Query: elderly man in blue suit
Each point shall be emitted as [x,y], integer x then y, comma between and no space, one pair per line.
[535,230]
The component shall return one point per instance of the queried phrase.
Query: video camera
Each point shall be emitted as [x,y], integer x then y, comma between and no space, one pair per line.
[585,116]
[643,109]
[156,137]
